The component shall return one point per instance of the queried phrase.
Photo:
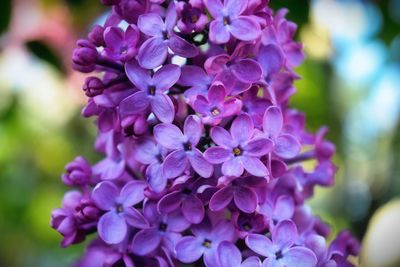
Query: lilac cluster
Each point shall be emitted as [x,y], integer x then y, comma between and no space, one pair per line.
[203,158]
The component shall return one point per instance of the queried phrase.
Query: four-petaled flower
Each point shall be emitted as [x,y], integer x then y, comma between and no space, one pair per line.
[239,149]
[113,225]
[280,251]
[151,91]
[121,45]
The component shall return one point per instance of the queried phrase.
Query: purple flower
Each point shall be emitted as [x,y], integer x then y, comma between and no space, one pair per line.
[280,250]
[186,199]
[242,191]
[183,146]
[151,91]
[285,145]
[78,172]
[154,51]
[229,256]
[239,149]
[149,153]
[204,242]
[164,230]
[216,107]
[228,19]
[192,16]
[121,45]
[113,225]
[282,208]
[197,79]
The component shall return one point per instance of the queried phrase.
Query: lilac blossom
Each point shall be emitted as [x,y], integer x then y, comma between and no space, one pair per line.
[239,149]
[154,51]
[279,251]
[113,225]
[228,20]
[121,45]
[184,148]
[205,242]
[151,91]
[230,256]
[192,16]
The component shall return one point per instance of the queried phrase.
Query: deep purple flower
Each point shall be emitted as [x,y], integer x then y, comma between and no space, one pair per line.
[242,191]
[285,145]
[149,153]
[204,242]
[78,172]
[239,149]
[183,197]
[228,19]
[192,16]
[164,230]
[229,256]
[121,45]
[216,106]
[280,250]
[85,56]
[151,91]
[113,225]
[154,51]
[184,148]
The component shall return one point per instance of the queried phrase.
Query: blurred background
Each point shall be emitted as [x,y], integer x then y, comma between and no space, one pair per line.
[351,83]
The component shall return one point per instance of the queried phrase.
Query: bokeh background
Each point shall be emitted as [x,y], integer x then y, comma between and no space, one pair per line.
[351,83]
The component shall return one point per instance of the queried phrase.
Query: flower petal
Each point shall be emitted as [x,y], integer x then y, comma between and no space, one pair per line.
[170,202]
[215,7]
[104,195]
[112,228]
[252,261]
[175,163]
[233,167]
[214,65]
[245,199]
[270,59]
[245,28]
[260,244]
[284,208]
[258,147]
[223,231]
[166,77]
[287,146]
[134,104]
[137,75]
[113,36]
[221,137]
[189,249]
[273,121]
[151,24]
[145,241]
[284,234]
[153,53]
[155,177]
[200,165]
[242,128]
[163,107]
[254,166]
[299,256]
[247,71]
[217,155]
[193,75]
[193,129]
[216,93]
[171,17]
[235,7]
[219,33]
[168,135]
[229,255]
[182,47]
[132,193]
[193,209]
[134,218]
[221,199]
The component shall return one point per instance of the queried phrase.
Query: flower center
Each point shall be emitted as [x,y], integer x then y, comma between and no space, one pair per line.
[162,227]
[151,90]
[119,208]
[215,112]
[207,243]
[247,226]
[278,255]
[187,191]
[227,20]
[165,35]
[237,151]
[123,50]
[187,146]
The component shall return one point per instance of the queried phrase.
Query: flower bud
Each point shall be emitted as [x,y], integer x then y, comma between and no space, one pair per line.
[96,35]
[84,56]
[93,86]
[78,172]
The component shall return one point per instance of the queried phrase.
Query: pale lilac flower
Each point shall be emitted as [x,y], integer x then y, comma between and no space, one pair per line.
[279,251]
[238,150]
[120,45]
[228,20]
[151,91]
[154,51]
[113,225]
[229,256]
[184,148]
